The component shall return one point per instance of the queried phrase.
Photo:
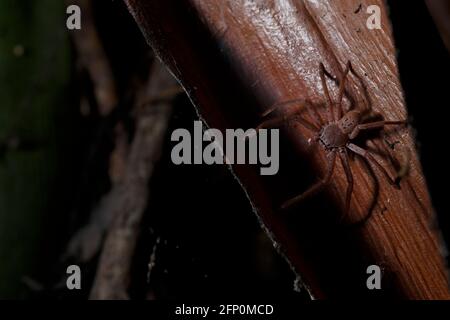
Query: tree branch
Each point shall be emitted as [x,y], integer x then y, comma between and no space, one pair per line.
[237,58]
[130,196]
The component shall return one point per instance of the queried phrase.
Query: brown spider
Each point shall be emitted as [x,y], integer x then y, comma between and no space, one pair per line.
[335,135]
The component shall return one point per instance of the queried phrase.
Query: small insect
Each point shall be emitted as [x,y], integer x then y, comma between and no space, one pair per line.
[335,135]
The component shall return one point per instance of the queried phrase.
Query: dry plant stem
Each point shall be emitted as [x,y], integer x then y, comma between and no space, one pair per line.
[87,241]
[93,58]
[274,49]
[113,271]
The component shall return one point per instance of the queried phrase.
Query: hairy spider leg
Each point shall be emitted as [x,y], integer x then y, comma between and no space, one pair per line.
[334,115]
[317,187]
[374,125]
[342,90]
[368,155]
[301,103]
[327,93]
[312,110]
[339,108]
[277,122]
[348,173]
[290,115]
[368,107]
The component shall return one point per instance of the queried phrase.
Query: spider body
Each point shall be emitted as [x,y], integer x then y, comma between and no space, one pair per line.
[335,135]
[349,121]
[332,137]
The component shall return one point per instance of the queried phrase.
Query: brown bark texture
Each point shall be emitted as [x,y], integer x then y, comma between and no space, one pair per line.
[237,58]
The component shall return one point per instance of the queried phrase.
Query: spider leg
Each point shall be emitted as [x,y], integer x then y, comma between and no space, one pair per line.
[277,105]
[341,91]
[315,188]
[281,120]
[348,172]
[322,73]
[373,125]
[345,92]
[402,165]
[313,113]
[368,155]
[368,102]
[301,103]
